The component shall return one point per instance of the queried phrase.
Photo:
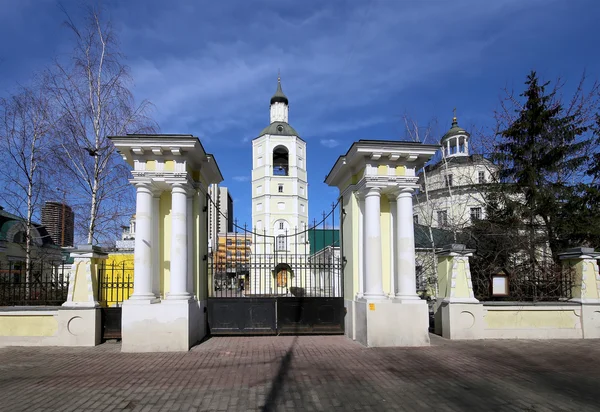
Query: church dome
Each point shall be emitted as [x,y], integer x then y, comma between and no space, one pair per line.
[279,97]
[279,128]
[455,130]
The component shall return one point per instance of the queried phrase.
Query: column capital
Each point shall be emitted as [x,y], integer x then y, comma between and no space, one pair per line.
[182,187]
[404,192]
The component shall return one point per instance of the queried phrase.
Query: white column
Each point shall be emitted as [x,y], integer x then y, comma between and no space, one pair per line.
[179,246]
[448,146]
[156,241]
[405,263]
[466,146]
[144,248]
[393,243]
[372,244]
[190,245]
[361,255]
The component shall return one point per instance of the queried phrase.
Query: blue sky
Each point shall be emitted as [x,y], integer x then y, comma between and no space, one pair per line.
[351,69]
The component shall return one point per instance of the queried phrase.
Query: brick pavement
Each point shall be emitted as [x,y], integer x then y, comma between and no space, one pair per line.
[311,373]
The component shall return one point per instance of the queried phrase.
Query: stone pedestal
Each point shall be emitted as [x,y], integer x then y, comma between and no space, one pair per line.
[79,318]
[583,264]
[168,326]
[389,322]
[457,314]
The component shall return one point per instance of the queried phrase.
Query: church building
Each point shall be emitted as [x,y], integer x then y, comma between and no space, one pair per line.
[279,184]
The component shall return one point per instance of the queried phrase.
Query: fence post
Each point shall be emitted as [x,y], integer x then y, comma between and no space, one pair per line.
[583,264]
[457,314]
[79,317]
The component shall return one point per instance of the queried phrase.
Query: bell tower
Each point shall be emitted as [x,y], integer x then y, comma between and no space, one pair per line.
[279,184]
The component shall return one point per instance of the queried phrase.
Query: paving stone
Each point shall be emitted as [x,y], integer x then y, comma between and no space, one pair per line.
[308,373]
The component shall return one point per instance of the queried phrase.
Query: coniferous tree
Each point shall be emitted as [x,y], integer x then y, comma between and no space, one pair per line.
[537,155]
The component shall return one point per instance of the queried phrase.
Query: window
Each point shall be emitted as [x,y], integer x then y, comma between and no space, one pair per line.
[281,225]
[448,180]
[416,219]
[302,208]
[280,189]
[247,243]
[475,214]
[280,161]
[238,253]
[229,254]
[481,177]
[300,162]
[302,190]
[259,189]
[442,218]
[229,242]
[239,242]
[281,243]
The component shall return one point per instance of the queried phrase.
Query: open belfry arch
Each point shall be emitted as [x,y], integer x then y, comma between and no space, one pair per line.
[377,180]
[171,174]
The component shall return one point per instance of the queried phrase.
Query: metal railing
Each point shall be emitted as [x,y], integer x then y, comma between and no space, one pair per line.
[115,283]
[44,284]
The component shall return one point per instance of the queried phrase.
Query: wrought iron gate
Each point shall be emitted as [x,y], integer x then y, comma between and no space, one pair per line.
[115,284]
[291,283]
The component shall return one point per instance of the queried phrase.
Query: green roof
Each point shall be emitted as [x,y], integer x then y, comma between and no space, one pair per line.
[454,130]
[279,128]
[321,238]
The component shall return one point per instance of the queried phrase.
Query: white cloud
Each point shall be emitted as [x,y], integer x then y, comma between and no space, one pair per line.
[331,60]
[331,143]
[241,178]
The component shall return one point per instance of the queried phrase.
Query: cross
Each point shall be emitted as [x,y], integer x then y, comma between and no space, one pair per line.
[454,110]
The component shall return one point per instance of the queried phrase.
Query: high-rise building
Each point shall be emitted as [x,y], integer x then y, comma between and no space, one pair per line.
[59,220]
[220,214]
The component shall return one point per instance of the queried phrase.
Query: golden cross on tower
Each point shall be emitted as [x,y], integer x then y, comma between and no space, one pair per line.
[454,110]
[278,75]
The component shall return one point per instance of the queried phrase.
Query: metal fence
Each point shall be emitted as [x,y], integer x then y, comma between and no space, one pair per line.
[545,283]
[115,283]
[44,284]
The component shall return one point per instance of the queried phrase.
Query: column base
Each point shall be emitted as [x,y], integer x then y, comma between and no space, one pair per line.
[79,326]
[459,320]
[168,326]
[590,320]
[387,322]
[408,299]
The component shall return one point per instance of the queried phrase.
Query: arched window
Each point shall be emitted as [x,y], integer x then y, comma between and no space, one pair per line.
[280,161]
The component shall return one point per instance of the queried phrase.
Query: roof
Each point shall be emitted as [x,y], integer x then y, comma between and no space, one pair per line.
[459,160]
[7,220]
[279,96]
[415,153]
[280,129]
[454,130]
[321,238]
[440,237]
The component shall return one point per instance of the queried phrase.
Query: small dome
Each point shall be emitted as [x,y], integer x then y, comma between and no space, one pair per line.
[279,96]
[454,131]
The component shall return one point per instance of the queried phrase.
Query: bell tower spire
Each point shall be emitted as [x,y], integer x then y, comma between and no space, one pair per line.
[279,104]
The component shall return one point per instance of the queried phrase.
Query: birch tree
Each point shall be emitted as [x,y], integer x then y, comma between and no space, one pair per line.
[26,125]
[94,100]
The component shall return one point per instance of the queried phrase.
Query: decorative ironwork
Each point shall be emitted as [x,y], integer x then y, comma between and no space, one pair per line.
[287,282]
[45,284]
[115,284]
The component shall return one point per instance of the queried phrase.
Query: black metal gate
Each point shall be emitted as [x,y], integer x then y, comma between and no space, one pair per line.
[115,284]
[286,282]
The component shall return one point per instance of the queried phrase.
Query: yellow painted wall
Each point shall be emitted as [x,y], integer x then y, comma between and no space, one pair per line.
[169,165]
[443,271]
[400,170]
[531,319]
[385,242]
[118,269]
[29,325]
[350,246]
[151,165]
[382,170]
